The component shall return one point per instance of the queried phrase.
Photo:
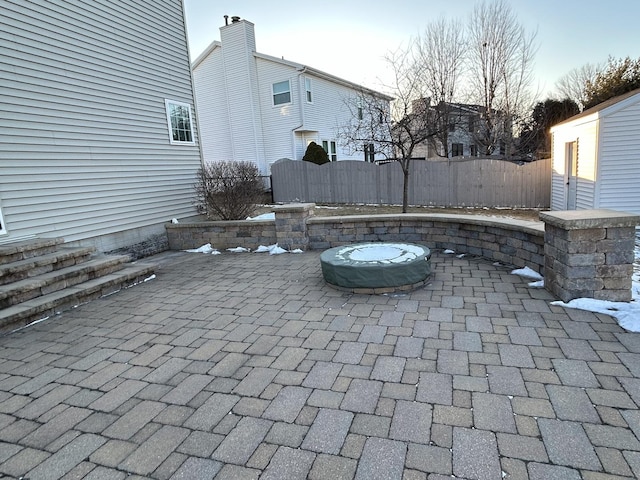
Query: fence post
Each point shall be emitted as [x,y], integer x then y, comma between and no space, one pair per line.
[291,225]
[589,253]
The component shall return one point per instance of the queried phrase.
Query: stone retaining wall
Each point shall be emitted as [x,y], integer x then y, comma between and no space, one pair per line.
[505,240]
[228,234]
[587,253]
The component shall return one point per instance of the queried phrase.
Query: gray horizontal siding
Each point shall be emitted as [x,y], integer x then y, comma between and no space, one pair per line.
[84,143]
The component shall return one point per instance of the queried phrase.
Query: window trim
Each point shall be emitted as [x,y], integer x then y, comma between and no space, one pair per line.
[308,92]
[331,147]
[273,94]
[167,104]
[3,226]
[459,147]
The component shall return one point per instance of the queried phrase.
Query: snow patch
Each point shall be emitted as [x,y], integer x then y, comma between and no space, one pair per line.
[527,273]
[238,250]
[206,248]
[383,253]
[264,216]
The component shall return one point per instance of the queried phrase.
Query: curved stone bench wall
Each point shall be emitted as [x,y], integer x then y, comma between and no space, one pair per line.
[505,240]
[583,253]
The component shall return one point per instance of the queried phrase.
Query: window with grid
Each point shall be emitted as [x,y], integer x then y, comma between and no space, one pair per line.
[179,122]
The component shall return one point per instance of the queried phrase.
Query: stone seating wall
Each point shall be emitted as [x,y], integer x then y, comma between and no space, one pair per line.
[555,248]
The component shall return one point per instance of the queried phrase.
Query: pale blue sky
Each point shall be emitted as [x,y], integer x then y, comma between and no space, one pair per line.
[348,38]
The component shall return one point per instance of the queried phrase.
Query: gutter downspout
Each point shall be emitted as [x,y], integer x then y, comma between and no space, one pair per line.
[301,110]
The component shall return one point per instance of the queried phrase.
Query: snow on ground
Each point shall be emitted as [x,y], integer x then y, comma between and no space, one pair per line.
[626,313]
[272,249]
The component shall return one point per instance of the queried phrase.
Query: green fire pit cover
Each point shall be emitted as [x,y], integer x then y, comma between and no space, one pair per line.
[376,265]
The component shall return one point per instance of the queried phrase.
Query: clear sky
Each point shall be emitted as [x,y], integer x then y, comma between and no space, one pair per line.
[348,38]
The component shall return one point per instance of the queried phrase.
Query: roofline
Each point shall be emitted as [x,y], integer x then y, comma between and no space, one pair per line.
[212,46]
[600,110]
[327,76]
[299,67]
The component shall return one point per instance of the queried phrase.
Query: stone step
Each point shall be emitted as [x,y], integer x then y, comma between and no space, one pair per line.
[33,266]
[13,252]
[29,288]
[56,302]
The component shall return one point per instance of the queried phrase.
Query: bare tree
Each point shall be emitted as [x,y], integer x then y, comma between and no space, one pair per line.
[395,128]
[574,84]
[501,57]
[440,53]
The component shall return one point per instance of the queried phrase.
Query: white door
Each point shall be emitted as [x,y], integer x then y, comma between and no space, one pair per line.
[571,161]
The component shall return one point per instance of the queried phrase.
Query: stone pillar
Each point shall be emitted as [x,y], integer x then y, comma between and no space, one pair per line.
[291,225]
[589,253]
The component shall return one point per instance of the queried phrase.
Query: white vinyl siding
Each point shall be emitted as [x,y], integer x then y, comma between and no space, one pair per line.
[213,109]
[84,149]
[608,158]
[235,94]
[619,167]
[584,133]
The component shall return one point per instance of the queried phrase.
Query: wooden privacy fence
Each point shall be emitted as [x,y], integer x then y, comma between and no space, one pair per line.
[446,183]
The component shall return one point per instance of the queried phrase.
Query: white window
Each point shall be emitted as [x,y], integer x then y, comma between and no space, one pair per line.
[281,93]
[179,122]
[3,227]
[330,147]
[307,87]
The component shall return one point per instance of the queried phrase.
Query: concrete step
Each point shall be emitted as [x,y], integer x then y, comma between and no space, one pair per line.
[13,252]
[56,302]
[33,266]
[29,288]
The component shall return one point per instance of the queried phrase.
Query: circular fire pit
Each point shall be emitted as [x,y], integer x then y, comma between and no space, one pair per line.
[376,267]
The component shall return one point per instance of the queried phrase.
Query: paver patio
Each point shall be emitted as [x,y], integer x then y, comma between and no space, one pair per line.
[248,366]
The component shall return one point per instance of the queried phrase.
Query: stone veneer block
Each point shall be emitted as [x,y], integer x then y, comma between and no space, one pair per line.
[589,253]
[291,225]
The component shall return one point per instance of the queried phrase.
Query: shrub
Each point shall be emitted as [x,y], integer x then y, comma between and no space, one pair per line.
[315,154]
[228,190]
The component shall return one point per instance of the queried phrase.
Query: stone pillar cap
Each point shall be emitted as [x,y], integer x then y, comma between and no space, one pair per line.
[584,219]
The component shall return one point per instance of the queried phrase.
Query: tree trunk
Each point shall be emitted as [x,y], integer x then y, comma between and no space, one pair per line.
[405,188]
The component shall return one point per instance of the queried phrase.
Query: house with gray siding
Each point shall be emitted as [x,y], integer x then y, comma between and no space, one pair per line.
[98,137]
[596,157]
[259,108]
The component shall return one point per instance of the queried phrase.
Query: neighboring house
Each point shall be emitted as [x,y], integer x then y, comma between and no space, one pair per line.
[462,128]
[596,157]
[98,143]
[259,108]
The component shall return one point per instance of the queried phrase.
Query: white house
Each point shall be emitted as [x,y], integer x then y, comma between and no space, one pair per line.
[259,108]
[462,127]
[596,157]
[98,142]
